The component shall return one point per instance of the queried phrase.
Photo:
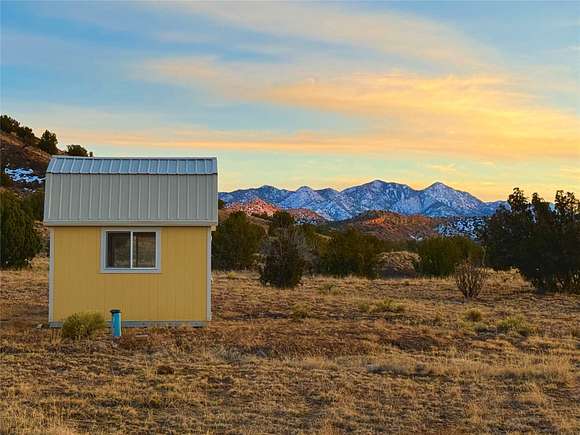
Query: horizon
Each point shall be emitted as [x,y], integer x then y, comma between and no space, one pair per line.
[316,94]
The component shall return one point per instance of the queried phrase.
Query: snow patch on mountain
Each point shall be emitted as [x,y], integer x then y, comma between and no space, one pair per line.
[461,226]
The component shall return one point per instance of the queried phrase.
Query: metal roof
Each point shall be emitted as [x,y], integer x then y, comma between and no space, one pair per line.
[133,165]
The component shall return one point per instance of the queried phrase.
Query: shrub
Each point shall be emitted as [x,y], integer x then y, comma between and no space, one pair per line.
[48,142]
[5,180]
[280,219]
[235,243]
[473,315]
[364,307]
[33,204]
[300,312]
[542,241]
[387,305]
[398,264]
[438,256]
[327,288]
[19,241]
[82,325]
[284,259]
[469,279]
[351,253]
[515,323]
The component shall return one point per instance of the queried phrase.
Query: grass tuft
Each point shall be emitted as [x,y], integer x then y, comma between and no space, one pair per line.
[515,323]
[473,315]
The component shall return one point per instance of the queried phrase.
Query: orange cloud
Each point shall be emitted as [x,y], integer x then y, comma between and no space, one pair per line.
[479,115]
[473,115]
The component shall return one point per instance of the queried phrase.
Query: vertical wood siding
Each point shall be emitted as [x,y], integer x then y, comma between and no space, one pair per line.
[178,293]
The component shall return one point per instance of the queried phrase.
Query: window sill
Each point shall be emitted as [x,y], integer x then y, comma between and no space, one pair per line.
[135,270]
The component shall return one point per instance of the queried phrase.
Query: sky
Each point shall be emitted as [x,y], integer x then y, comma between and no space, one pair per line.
[483,96]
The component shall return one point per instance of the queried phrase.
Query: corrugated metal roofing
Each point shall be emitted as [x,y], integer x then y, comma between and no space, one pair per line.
[126,191]
[133,165]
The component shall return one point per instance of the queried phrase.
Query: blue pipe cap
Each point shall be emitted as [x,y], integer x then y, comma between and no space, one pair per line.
[115,311]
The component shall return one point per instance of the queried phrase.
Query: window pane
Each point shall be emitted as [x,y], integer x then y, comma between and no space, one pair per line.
[118,249]
[143,249]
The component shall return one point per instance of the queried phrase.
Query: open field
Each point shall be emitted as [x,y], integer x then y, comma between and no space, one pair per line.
[333,356]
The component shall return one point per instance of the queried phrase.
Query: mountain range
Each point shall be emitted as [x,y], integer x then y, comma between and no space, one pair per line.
[437,200]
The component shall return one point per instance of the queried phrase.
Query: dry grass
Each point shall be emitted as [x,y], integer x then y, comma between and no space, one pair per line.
[330,357]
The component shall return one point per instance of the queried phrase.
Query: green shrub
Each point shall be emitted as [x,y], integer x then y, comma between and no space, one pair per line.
[19,241]
[82,325]
[33,204]
[515,323]
[284,259]
[473,315]
[280,219]
[351,253]
[438,256]
[236,242]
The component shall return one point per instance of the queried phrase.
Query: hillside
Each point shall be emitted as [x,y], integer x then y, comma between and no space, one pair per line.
[394,355]
[437,200]
[25,165]
[257,206]
[382,224]
[392,226]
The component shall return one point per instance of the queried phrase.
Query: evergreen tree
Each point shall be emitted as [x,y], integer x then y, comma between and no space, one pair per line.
[19,241]
[351,253]
[280,219]
[542,241]
[77,150]
[236,242]
[48,142]
[33,204]
[438,256]
[284,258]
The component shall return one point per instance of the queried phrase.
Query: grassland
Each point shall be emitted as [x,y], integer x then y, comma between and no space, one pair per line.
[333,356]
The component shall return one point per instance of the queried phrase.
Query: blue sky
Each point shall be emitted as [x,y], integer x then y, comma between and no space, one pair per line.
[481,95]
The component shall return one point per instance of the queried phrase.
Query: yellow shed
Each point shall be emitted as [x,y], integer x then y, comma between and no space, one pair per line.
[132,234]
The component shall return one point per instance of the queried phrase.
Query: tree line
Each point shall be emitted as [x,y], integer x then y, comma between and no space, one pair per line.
[47,142]
[540,239]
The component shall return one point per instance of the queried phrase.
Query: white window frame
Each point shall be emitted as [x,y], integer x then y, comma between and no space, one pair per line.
[131,269]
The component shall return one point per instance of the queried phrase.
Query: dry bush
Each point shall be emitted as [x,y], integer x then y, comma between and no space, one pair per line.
[470,279]
[300,312]
[398,264]
[387,305]
[473,315]
[82,325]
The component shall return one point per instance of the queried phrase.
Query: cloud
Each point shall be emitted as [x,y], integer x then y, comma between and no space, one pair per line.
[445,169]
[478,115]
[338,24]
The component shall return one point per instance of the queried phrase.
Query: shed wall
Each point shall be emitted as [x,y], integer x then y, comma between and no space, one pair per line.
[177,293]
